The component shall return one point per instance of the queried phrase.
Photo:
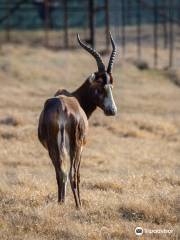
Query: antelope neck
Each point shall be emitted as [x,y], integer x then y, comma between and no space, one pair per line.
[84,97]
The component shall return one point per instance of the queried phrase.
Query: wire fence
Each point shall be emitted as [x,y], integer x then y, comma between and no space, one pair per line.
[51,23]
[143,29]
[149,30]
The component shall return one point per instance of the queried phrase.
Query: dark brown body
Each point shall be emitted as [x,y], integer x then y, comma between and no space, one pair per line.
[63,122]
[62,131]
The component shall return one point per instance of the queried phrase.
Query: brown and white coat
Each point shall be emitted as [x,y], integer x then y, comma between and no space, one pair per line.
[63,122]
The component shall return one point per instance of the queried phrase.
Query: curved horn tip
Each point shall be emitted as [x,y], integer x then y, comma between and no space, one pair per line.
[110,35]
[78,36]
[112,40]
[93,52]
[111,60]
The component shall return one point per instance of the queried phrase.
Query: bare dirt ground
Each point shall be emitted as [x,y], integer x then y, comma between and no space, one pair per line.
[130,167]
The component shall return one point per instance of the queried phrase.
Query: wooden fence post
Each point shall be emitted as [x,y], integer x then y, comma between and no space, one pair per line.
[46,9]
[107,24]
[165,33]
[171,33]
[92,22]
[123,27]
[155,34]
[66,37]
[129,11]
[8,21]
[138,16]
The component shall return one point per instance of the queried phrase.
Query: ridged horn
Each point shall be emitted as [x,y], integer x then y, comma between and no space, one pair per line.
[100,64]
[111,60]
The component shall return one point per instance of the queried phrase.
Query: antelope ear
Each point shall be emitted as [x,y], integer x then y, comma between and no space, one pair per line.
[91,78]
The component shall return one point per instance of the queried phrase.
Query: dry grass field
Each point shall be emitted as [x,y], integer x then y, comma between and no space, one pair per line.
[130,167]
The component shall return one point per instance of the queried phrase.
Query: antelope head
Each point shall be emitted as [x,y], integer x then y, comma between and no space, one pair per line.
[101,82]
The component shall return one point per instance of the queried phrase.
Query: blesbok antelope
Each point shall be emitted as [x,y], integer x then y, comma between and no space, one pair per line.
[63,123]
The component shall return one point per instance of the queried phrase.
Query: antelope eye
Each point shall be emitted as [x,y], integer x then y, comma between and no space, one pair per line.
[97,91]
[99,80]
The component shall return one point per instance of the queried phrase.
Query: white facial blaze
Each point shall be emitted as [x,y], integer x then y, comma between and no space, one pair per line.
[109,100]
